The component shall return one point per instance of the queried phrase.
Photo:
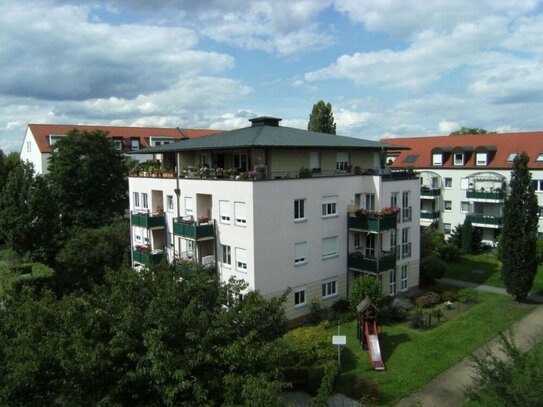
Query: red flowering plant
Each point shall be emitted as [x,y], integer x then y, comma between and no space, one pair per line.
[143,248]
[364,213]
[203,219]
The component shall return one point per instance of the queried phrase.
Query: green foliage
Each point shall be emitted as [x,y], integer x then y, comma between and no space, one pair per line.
[36,276]
[366,286]
[431,241]
[431,268]
[149,338]
[515,382]
[28,217]
[449,252]
[309,345]
[89,179]
[315,311]
[518,252]
[331,371]
[85,257]
[7,165]
[321,118]
[470,130]
[455,237]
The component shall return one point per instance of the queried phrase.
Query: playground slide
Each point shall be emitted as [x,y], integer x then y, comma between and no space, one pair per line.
[374,349]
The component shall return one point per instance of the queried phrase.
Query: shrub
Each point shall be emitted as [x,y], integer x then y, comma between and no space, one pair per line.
[449,296]
[431,267]
[449,252]
[417,321]
[399,314]
[24,268]
[331,370]
[309,345]
[434,297]
[315,311]
[424,301]
[365,286]
[341,306]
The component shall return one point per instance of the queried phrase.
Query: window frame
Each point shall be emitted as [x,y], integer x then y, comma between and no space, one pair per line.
[329,289]
[481,159]
[445,182]
[458,159]
[299,297]
[437,159]
[445,205]
[224,212]
[300,253]
[169,203]
[145,200]
[240,219]
[136,199]
[330,254]
[299,210]
[188,203]
[241,260]
[404,277]
[226,251]
[329,206]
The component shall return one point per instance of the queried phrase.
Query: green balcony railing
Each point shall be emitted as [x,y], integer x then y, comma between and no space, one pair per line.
[429,214]
[430,192]
[493,195]
[375,224]
[147,220]
[147,258]
[386,261]
[485,219]
[193,230]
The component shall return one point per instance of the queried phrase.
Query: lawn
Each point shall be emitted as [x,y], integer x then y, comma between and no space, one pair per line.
[413,357]
[485,269]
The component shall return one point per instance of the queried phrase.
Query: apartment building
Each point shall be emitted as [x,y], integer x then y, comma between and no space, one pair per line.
[280,208]
[39,139]
[467,176]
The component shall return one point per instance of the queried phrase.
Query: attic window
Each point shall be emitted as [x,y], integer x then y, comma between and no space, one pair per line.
[539,158]
[411,158]
[437,159]
[134,144]
[458,159]
[481,159]
[511,157]
[118,144]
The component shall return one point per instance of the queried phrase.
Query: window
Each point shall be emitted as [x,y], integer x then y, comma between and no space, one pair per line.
[136,196]
[299,296]
[458,159]
[392,283]
[204,160]
[28,146]
[370,245]
[403,278]
[357,240]
[448,205]
[411,158]
[118,144]
[394,199]
[240,161]
[134,144]
[240,216]
[226,254]
[447,228]
[406,208]
[329,205]
[145,201]
[539,158]
[329,247]
[299,209]
[170,239]
[169,203]
[448,182]
[511,157]
[480,159]
[188,205]
[541,211]
[329,289]
[464,206]
[224,211]
[437,159]
[315,161]
[370,202]
[342,161]
[538,185]
[241,259]
[406,244]
[393,240]
[299,253]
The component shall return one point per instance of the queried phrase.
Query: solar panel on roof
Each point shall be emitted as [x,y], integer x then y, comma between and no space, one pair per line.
[411,158]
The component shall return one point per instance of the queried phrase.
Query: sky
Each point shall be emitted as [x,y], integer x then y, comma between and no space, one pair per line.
[390,68]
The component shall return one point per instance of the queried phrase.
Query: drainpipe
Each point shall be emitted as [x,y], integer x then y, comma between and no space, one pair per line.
[177,194]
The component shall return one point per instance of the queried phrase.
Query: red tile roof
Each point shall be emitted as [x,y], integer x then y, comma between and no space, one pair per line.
[503,143]
[41,133]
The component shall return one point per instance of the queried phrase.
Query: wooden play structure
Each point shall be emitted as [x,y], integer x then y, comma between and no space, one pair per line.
[368,332]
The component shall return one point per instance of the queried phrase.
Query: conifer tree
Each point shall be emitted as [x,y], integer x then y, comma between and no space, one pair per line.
[321,118]
[519,232]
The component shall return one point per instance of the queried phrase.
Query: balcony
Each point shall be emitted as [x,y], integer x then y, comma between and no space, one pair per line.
[195,230]
[145,257]
[373,223]
[488,221]
[430,193]
[429,215]
[185,262]
[384,262]
[491,196]
[147,220]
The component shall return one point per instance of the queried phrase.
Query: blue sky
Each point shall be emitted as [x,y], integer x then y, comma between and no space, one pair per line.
[393,68]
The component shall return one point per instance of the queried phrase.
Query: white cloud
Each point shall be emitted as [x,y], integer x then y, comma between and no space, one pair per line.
[230,121]
[447,127]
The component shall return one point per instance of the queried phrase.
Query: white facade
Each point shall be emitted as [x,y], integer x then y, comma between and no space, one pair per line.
[30,152]
[270,243]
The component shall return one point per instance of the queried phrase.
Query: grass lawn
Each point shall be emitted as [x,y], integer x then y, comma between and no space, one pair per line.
[414,357]
[485,269]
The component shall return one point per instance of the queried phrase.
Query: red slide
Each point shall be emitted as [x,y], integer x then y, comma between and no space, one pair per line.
[374,350]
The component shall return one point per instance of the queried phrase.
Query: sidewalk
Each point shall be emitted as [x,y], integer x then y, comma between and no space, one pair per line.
[447,389]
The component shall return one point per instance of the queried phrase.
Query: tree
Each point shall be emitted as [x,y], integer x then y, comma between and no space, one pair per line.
[28,217]
[89,179]
[366,286]
[470,130]
[513,382]
[321,118]
[7,165]
[431,267]
[518,252]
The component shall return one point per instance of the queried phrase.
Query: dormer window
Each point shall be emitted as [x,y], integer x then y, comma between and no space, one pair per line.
[539,158]
[118,144]
[134,144]
[511,157]
[481,159]
[437,159]
[458,159]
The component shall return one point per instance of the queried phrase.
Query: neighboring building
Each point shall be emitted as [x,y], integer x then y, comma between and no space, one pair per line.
[39,138]
[275,206]
[467,176]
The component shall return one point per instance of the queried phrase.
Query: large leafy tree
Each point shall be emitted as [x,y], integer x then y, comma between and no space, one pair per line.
[518,251]
[470,130]
[7,164]
[89,179]
[28,216]
[155,338]
[321,118]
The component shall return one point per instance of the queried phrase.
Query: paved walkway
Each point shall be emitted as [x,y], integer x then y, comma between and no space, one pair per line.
[447,389]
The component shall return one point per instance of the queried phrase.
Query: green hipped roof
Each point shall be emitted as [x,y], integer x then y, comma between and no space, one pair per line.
[261,136]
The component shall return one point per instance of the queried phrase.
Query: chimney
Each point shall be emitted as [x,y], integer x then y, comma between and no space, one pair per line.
[265,121]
